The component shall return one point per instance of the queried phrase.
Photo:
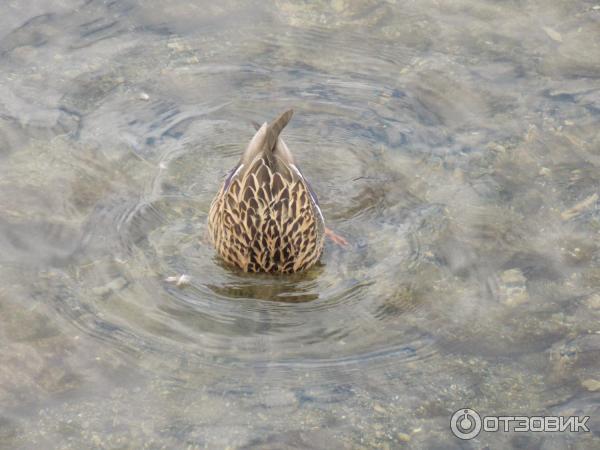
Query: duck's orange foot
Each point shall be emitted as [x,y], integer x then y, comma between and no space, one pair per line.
[336,238]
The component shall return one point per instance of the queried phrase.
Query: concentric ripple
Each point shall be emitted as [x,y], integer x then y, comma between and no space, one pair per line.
[156,141]
[143,195]
[363,306]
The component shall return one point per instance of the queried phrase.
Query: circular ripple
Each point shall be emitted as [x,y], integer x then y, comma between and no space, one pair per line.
[376,303]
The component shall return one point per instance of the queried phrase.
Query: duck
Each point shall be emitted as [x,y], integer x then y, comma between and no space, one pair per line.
[266,216]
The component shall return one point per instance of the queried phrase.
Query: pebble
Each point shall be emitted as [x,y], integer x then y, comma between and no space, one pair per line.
[594,301]
[144,96]
[179,281]
[380,409]
[403,437]
[544,171]
[553,34]
[513,289]
[591,385]
[177,46]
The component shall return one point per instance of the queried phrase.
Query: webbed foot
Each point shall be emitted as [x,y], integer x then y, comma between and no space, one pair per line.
[336,238]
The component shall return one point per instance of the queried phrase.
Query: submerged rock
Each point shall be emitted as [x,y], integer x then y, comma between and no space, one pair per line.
[513,288]
[591,385]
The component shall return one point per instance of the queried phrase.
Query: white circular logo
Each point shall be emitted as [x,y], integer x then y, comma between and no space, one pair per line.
[465,423]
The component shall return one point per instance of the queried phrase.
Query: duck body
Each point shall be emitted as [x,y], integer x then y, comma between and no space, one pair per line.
[266,217]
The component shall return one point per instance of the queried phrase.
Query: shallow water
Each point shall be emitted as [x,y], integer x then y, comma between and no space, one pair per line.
[454,144]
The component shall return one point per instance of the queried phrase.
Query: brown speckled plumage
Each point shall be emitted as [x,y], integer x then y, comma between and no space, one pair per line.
[265,217]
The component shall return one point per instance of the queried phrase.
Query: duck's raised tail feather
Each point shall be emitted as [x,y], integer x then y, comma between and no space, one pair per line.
[275,127]
[267,142]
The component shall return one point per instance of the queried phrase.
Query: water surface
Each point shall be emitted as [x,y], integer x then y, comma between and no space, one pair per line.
[454,144]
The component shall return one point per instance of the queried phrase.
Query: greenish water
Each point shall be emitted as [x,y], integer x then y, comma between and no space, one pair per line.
[456,145]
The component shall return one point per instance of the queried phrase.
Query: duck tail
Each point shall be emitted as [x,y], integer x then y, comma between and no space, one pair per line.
[275,128]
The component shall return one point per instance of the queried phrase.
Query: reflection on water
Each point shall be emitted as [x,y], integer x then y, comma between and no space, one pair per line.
[454,145]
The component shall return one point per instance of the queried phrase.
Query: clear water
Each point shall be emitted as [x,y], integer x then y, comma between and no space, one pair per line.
[456,145]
